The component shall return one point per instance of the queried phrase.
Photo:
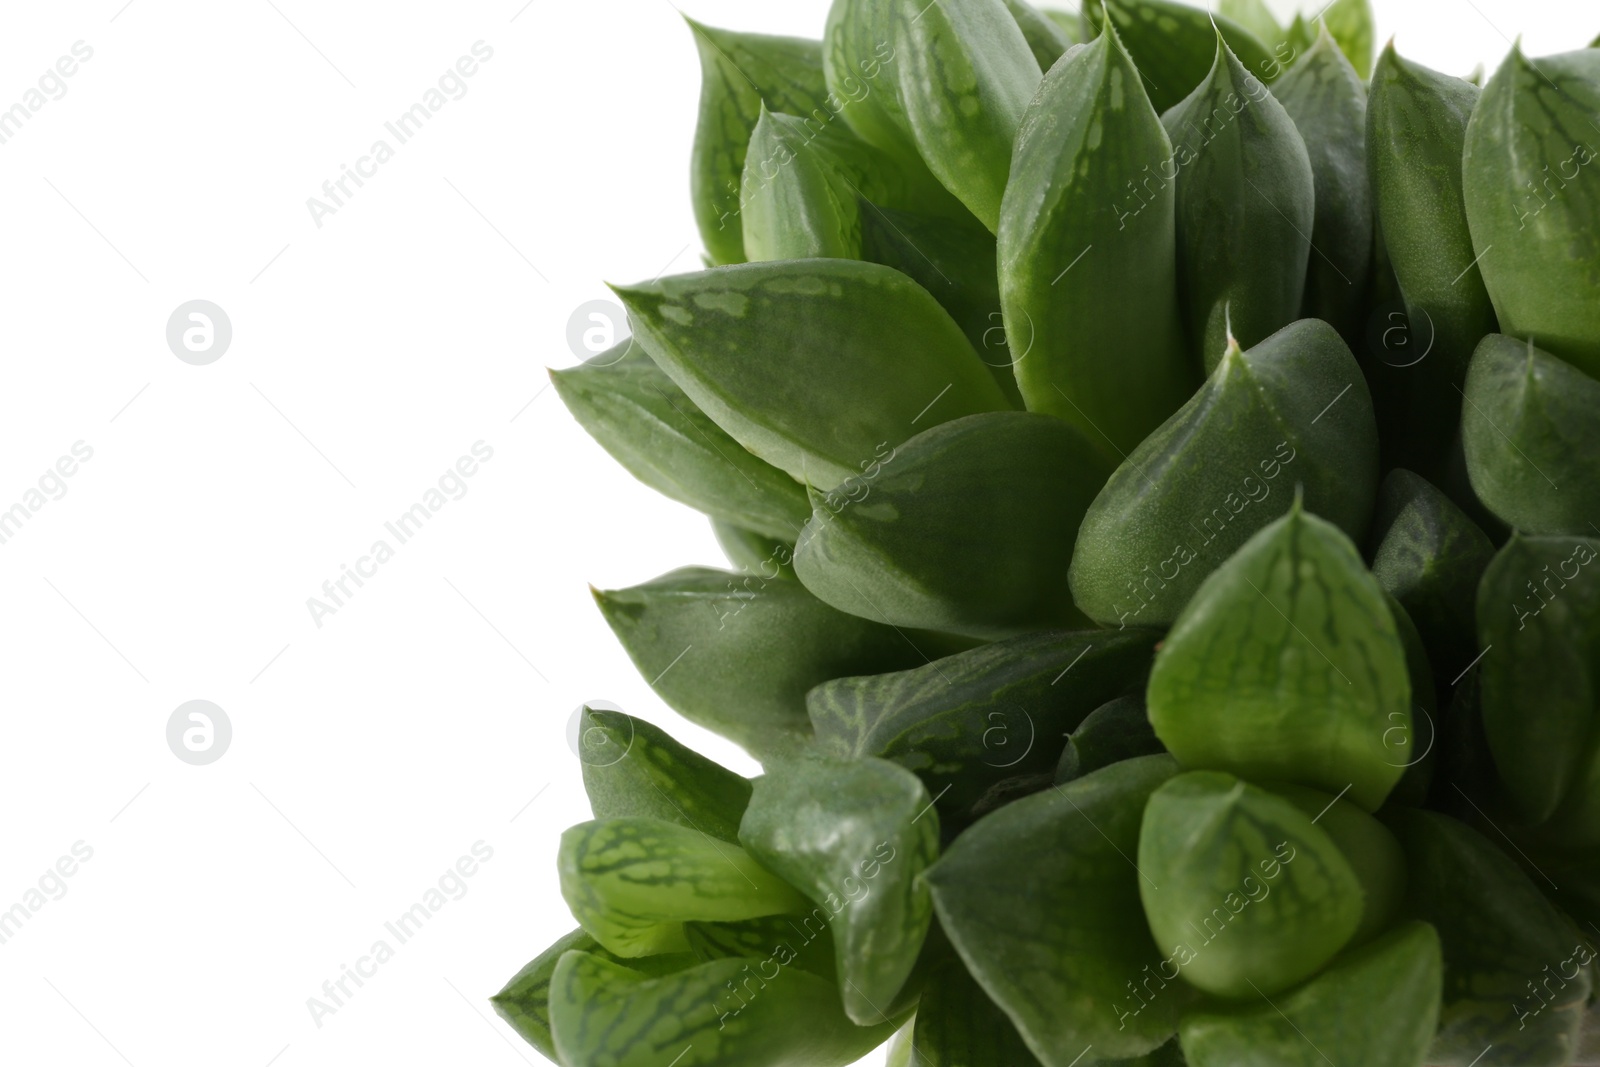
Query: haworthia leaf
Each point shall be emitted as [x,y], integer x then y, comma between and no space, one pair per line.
[1070,23]
[726,1013]
[1416,126]
[1502,940]
[1531,149]
[1531,437]
[968,721]
[754,553]
[1286,666]
[861,61]
[736,654]
[1420,754]
[740,71]
[1175,44]
[854,836]
[1298,38]
[790,940]
[1327,100]
[1539,616]
[632,882]
[1294,410]
[653,429]
[1117,730]
[1245,894]
[1086,136]
[1046,39]
[957,1025]
[1429,556]
[1350,22]
[1367,845]
[1041,901]
[817,366]
[1245,202]
[1254,16]
[1377,1007]
[631,767]
[524,1003]
[963,529]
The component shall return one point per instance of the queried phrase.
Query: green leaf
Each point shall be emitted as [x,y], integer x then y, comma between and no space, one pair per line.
[1376,1007]
[1047,40]
[1418,738]
[652,428]
[962,529]
[1255,17]
[1175,44]
[1327,100]
[1117,730]
[1367,845]
[1502,943]
[1293,410]
[1350,24]
[854,836]
[1041,900]
[1070,23]
[1532,441]
[861,61]
[1416,127]
[524,1003]
[1298,38]
[727,1013]
[632,882]
[816,366]
[754,553]
[1531,149]
[1245,203]
[736,654]
[740,71]
[631,767]
[957,1025]
[1539,617]
[1245,894]
[791,940]
[1287,666]
[1429,556]
[1088,133]
[968,721]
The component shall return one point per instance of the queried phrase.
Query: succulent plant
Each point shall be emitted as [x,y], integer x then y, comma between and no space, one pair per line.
[1159,455]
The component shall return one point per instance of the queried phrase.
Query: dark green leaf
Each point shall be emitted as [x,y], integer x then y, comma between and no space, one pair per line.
[1293,410]
[1113,732]
[817,366]
[962,529]
[1041,900]
[1085,138]
[754,553]
[1046,39]
[957,1025]
[736,654]
[1175,44]
[1417,739]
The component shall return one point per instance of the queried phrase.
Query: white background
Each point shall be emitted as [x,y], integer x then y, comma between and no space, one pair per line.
[368,355]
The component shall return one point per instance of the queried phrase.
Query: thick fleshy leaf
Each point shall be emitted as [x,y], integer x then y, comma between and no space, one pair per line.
[1504,1004]
[962,530]
[1416,127]
[1429,556]
[737,653]
[1117,730]
[1287,666]
[631,767]
[854,836]
[1246,206]
[957,1025]
[1041,899]
[1254,16]
[740,71]
[1539,617]
[753,553]
[817,366]
[1414,743]
[524,1003]
[801,941]
[861,63]
[968,721]
[1350,22]
[1327,100]
[1244,892]
[1293,410]
[1532,438]
[726,1013]
[1046,39]
[1376,1007]
[1070,22]
[1367,845]
[632,883]
[652,428]
[1175,44]
[1080,332]
[1531,149]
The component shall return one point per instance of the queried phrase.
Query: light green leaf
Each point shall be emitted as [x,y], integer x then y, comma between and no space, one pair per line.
[737,653]
[1046,38]
[1528,424]
[792,940]
[1532,149]
[1070,23]
[854,836]
[1041,900]
[1376,1007]
[1350,24]
[1245,200]
[1293,410]
[817,366]
[1175,44]
[1367,845]
[861,61]
[1254,16]
[1287,666]
[962,530]
[1089,131]
[632,882]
